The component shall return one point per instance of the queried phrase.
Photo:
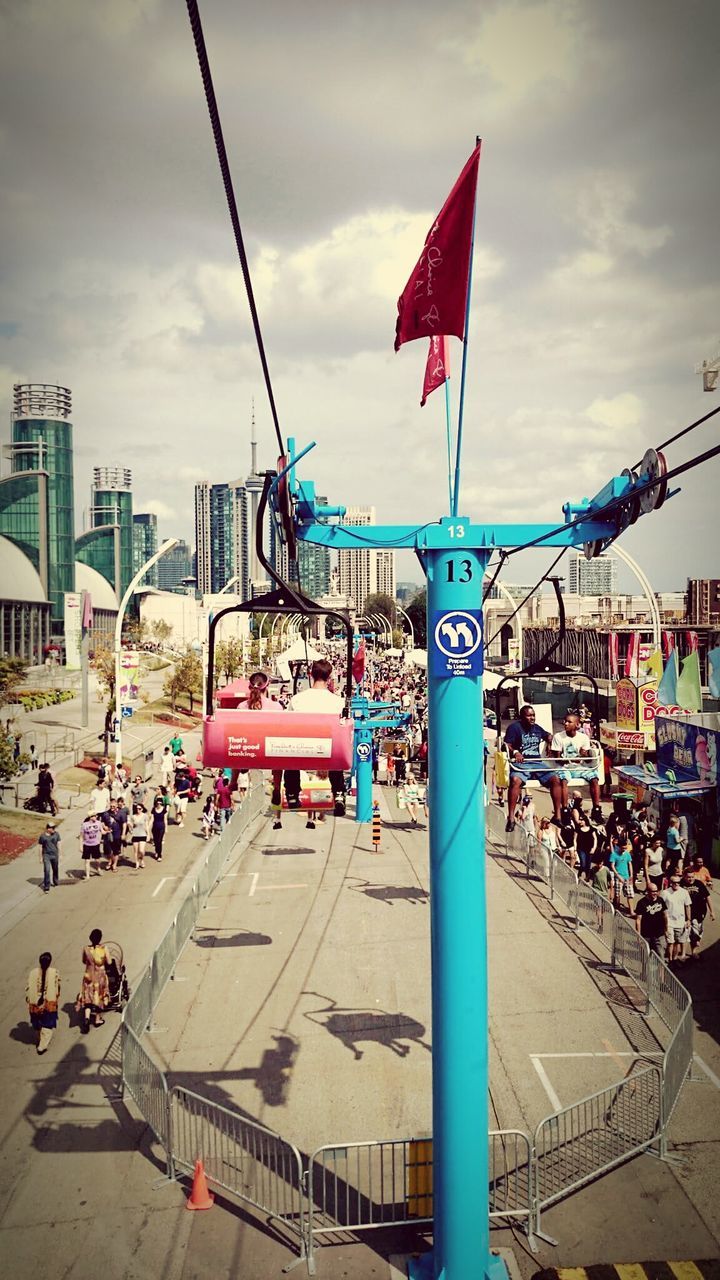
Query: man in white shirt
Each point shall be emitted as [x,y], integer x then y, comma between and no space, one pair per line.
[317,700]
[677,902]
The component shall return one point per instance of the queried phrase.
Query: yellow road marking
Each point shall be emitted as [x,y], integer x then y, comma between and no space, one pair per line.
[686,1270]
[572,1273]
[630,1271]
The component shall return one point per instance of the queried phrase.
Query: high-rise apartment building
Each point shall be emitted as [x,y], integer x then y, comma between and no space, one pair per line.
[37,498]
[145,544]
[591,577]
[221,537]
[364,571]
[174,567]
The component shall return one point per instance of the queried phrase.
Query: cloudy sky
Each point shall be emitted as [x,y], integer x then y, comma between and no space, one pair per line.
[596,266]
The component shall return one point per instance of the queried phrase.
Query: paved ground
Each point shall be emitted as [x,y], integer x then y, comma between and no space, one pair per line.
[308,1006]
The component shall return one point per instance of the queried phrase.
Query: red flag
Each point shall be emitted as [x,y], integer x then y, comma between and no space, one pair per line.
[437,369]
[692,640]
[632,657]
[87,617]
[358,663]
[668,644]
[613,653]
[434,299]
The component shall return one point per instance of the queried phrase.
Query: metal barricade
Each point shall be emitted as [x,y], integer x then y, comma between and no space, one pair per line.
[185,921]
[595,912]
[163,963]
[538,860]
[670,1000]
[495,819]
[516,842]
[250,1162]
[365,1185]
[677,1063]
[138,1010]
[563,881]
[630,953]
[577,1144]
[147,1086]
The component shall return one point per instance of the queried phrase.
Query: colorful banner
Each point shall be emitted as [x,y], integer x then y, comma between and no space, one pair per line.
[129,677]
[689,750]
[72,622]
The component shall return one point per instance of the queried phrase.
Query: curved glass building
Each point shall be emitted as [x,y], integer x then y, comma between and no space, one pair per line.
[37,504]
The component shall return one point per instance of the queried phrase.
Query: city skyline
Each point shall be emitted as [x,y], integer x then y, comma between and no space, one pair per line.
[595,279]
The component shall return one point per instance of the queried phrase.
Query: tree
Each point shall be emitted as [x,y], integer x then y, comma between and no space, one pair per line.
[12,672]
[383,604]
[228,658]
[103,664]
[135,632]
[186,678]
[417,611]
[161,631]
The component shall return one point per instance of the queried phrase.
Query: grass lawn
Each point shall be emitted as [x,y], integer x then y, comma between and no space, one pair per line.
[75,777]
[19,830]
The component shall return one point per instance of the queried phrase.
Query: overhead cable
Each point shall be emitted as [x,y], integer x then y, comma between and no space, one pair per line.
[204,64]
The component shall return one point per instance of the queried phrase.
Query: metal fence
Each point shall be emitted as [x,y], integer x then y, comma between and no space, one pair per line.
[366,1185]
[241,1156]
[630,954]
[153,981]
[147,1086]
[587,1139]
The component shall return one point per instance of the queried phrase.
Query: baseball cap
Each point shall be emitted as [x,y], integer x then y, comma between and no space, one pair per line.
[51,824]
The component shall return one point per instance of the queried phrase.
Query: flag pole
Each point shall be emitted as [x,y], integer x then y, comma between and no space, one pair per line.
[448,431]
[458,446]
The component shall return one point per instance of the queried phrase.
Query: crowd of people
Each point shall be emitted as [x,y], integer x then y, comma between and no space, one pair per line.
[646,872]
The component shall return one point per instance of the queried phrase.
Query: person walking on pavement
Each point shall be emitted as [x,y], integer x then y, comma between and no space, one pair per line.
[182,795]
[45,788]
[95,990]
[167,768]
[700,906]
[50,855]
[677,901]
[157,826]
[138,834]
[91,835]
[651,920]
[42,995]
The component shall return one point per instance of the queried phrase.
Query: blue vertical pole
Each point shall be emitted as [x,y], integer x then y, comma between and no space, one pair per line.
[461,1248]
[363,773]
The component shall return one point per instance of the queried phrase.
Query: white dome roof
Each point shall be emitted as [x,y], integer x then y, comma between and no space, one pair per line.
[101,592]
[19,579]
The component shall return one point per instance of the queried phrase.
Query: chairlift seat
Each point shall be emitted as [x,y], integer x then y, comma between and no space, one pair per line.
[547,763]
[315,793]
[241,739]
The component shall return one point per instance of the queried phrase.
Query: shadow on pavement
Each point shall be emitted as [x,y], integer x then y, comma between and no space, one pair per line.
[392,893]
[285,853]
[245,938]
[350,1026]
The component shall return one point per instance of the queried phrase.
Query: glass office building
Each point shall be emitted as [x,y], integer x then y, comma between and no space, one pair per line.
[111,504]
[100,550]
[37,498]
[145,544]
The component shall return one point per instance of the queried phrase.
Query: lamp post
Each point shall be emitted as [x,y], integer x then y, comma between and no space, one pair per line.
[407,617]
[166,546]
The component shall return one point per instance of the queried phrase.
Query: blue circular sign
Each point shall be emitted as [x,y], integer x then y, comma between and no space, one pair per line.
[364,750]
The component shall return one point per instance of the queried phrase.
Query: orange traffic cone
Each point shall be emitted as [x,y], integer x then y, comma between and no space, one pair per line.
[200,1197]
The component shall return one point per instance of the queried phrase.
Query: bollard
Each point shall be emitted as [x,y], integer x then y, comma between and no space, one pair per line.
[376,827]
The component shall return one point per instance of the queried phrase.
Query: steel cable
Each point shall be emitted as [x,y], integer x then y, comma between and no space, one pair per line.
[214,113]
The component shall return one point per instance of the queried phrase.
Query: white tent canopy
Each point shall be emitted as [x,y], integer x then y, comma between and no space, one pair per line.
[416,657]
[298,650]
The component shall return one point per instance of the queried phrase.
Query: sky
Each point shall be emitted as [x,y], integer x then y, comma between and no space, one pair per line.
[595,290]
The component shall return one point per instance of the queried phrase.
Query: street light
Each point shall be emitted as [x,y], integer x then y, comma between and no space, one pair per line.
[166,546]
[409,622]
[382,620]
